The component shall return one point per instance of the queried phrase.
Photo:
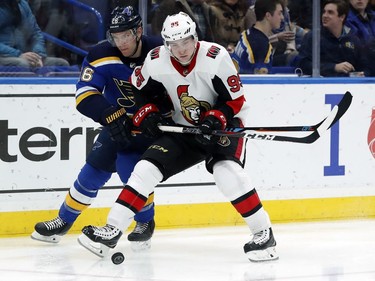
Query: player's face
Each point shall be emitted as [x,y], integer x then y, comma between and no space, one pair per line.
[125,42]
[183,49]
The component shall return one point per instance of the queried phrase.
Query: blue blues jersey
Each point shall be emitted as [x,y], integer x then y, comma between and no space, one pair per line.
[104,79]
[253,53]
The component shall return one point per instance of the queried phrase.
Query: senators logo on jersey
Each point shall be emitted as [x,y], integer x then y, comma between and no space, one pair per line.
[213,51]
[191,108]
[155,53]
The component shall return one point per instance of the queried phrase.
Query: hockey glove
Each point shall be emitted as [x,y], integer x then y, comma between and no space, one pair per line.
[147,120]
[213,120]
[119,125]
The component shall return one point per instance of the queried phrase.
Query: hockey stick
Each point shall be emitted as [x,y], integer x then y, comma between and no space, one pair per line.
[253,132]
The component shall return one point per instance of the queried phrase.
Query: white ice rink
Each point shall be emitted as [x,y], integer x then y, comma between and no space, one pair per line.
[340,250]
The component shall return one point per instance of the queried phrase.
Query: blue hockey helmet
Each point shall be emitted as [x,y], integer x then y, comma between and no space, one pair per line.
[124,18]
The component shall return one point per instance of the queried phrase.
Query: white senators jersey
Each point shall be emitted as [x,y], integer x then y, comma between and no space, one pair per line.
[210,81]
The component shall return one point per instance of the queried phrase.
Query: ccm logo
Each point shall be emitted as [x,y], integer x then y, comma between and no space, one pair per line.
[142,113]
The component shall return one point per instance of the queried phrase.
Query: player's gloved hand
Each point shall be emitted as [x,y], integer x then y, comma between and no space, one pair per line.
[147,120]
[213,120]
[119,125]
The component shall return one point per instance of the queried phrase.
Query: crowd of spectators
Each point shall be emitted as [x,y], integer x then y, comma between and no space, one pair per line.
[340,48]
[21,40]
[348,35]
[253,53]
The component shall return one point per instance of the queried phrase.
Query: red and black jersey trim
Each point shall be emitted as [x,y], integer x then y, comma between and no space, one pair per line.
[248,204]
[213,52]
[155,53]
[131,199]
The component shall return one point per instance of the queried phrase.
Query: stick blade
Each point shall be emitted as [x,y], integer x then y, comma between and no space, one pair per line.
[337,112]
[343,107]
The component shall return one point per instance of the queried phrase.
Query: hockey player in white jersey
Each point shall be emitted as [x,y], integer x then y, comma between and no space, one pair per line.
[206,92]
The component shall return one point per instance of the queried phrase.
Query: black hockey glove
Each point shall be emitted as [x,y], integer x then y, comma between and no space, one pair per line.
[119,125]
[147,120]
[214,120]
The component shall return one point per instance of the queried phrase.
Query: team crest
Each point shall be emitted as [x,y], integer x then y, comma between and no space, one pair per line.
[224,141]
[124,87]
[155,53]
[96,145]
[191,108]
[262,70]
[213,52]
[349,45]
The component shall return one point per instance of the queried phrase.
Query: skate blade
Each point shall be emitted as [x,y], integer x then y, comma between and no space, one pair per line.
[140,246]
[94,247]
[268,254]
[49,239]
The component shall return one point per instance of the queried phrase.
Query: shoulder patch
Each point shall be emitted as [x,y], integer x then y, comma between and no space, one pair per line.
[213,51]
[154,54]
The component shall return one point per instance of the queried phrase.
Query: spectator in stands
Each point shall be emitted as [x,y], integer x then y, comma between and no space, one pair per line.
[340,49]
[284,40]
[198,10]
[370,56]
[21,40]
[361,19]
[55,18]
[253,53]
[231,17]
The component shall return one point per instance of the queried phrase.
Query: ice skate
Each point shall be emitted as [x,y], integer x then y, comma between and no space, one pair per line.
[51,231]
[261,247]
[140,237]
[99,240]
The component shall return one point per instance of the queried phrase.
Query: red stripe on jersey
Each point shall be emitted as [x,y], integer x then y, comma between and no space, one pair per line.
[236,104]
[240,145]
[247,204]
[131,198]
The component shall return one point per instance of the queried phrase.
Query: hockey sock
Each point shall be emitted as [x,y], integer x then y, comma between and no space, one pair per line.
[128,203]
[147,213]
[235,185]
[83,192]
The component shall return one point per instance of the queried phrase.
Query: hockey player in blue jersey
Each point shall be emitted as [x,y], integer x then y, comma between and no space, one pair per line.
[104,94]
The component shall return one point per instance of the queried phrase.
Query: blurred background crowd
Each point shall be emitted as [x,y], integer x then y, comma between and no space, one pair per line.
[54,35]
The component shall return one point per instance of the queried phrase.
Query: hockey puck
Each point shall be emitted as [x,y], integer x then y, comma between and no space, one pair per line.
[117,258]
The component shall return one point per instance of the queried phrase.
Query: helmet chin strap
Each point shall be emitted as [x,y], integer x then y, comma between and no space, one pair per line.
[137,43]
[136,47]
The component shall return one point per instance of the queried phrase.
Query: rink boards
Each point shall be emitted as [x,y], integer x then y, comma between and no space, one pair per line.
[44,140]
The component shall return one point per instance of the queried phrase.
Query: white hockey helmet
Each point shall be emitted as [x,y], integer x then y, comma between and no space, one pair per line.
[178,26]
